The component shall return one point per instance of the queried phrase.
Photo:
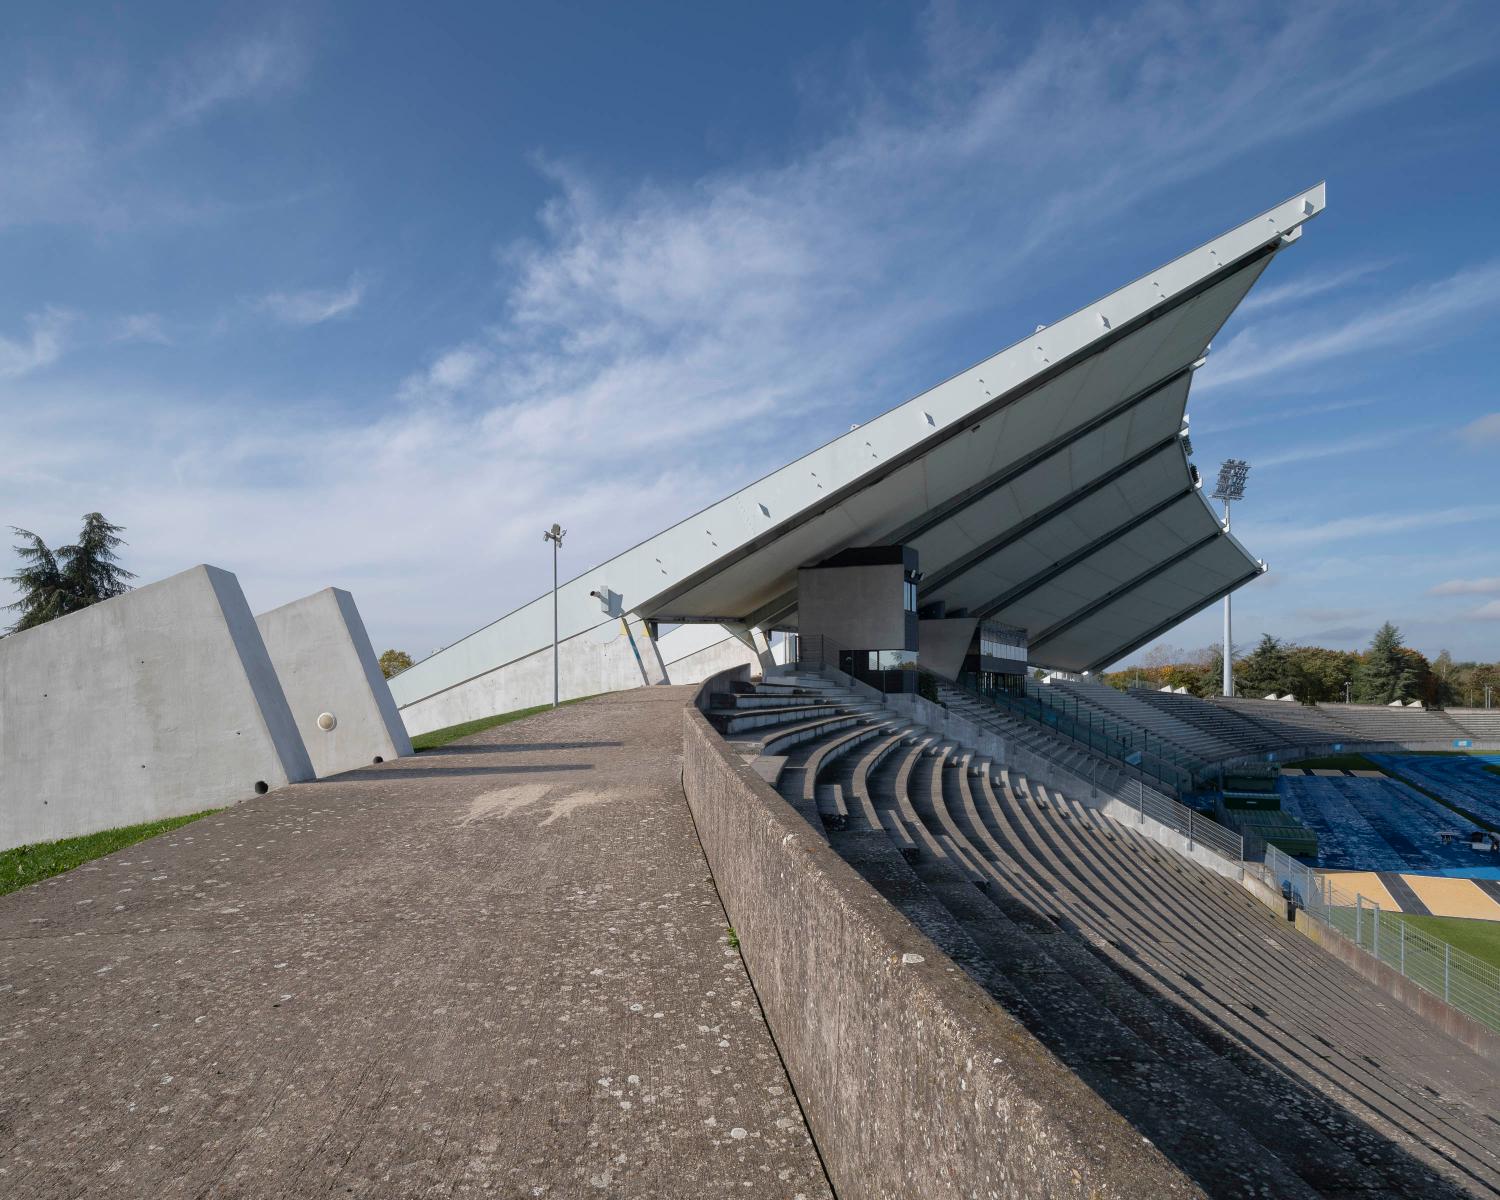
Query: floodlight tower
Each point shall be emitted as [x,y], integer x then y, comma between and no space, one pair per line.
[554,535]
[1231,487]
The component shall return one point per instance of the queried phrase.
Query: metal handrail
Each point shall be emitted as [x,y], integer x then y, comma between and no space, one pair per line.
[1091,731]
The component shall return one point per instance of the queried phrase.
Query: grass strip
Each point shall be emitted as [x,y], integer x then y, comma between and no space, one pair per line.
[32,863]
[1477,937]
[451,733]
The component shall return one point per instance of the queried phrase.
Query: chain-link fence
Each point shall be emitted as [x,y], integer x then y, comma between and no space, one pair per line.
[1468,983]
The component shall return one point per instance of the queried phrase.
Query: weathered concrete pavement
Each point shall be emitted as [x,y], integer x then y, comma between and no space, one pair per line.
[500,968]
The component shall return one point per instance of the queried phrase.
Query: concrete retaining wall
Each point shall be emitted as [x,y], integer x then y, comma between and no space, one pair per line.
[591,663]
[326,665]
[155,704]
[914,1081]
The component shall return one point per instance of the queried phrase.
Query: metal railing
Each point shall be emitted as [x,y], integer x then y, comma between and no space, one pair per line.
[1469,984]
[1127,746]
[1198,829]
[1138,800]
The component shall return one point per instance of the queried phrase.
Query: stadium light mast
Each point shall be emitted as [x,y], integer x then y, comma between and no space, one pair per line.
[1231,487]
[554,535]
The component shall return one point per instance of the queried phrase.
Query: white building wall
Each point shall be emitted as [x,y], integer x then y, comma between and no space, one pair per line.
[157,703]
[326,665]
[598,660]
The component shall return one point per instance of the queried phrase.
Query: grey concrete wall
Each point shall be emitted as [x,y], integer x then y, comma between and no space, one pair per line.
[326,665]
[914,1081]
[858,607]
[942,645]
[699,665]
[155,704]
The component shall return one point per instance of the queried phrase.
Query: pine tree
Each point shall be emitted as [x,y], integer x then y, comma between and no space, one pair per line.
[53,584]
[44,593]
[1385,672]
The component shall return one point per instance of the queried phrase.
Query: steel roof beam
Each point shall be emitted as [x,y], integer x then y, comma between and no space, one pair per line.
[985,487]
[946,575]
[1058,628]
[1023,589]
[1171,623]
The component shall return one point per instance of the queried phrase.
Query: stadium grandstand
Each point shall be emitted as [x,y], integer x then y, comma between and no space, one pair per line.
[1126,874]
[1103,863]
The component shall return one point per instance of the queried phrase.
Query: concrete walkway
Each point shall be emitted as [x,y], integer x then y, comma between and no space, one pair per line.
[500,968]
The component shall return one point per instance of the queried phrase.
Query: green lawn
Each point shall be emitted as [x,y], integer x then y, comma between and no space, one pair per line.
[41,860]
[441,737]
[1479,938]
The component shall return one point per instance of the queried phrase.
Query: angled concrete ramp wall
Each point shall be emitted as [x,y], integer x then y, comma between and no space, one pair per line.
[155,704]
[326,665]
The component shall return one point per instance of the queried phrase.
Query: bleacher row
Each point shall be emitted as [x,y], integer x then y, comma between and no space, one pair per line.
[1233,727]
[1259,1064]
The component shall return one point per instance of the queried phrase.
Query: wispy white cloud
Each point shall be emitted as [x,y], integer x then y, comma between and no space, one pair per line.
[1215,424]
[1466,587]
[658,344]
[313,306]
[1487,612]
[140,327]
[73,144]
[246,68]
[1306,286]
[1426,314]
[39,347]
[1482,430]
[1337,447]
[1371,525]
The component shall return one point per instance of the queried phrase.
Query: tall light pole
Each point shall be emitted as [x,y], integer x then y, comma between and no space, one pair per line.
[1231,487]
[554,535]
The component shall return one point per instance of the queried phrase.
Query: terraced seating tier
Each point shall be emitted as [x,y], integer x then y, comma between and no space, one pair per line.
[1255,1061]
[1292,723]
[1222,723]
[1482,723]
[1378,724]
[1128,709]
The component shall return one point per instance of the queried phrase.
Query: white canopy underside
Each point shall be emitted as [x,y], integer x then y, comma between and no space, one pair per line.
[1047,487]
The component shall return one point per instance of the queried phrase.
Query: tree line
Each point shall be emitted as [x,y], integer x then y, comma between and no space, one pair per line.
[1387,670]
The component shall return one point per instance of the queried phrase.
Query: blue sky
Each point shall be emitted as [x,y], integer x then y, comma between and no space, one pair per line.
[368,295]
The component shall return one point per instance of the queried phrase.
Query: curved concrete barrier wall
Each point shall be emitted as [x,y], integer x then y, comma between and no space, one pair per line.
[157,703]
[914,1082]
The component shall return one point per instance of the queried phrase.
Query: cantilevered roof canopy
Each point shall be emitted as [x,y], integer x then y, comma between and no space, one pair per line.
[1047,487]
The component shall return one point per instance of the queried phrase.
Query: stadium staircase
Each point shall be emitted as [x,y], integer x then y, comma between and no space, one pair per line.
[1252,1059]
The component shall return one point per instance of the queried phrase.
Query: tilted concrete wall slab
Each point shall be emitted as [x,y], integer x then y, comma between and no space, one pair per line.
[914,1081]
[155,704]
[328,668]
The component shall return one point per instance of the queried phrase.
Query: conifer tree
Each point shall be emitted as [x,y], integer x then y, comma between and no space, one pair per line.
[1385,672]
[54,583]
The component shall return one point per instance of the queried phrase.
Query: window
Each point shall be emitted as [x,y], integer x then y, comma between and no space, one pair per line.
[999,641]
[893,660]
[909,595]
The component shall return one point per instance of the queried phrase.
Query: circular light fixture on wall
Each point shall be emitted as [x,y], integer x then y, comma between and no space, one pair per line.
[326,721]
